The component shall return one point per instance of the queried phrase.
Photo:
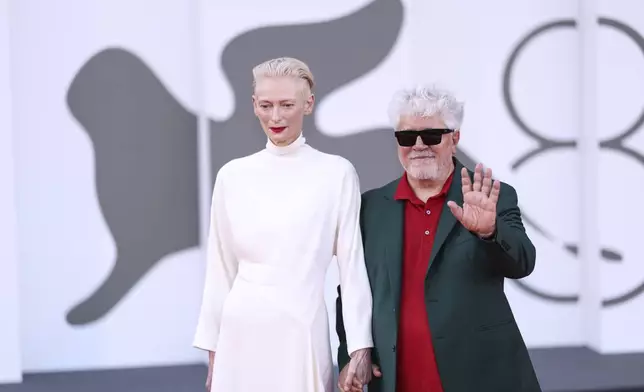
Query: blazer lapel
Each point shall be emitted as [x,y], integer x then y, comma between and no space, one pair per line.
[392,236]
[447,221]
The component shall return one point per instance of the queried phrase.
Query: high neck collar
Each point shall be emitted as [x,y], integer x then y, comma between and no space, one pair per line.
[283,150]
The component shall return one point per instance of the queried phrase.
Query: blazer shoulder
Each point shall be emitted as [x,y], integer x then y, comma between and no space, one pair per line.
[508,197]
[369,195]
[507,191]
[384,191]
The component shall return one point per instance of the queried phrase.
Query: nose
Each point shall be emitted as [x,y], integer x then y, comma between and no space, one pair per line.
[419,144]
[275,114]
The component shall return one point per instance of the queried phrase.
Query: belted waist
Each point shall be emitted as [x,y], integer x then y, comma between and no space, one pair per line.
[282,287]
[263,274]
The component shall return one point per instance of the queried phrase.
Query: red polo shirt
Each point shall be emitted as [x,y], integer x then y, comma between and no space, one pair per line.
[416,364]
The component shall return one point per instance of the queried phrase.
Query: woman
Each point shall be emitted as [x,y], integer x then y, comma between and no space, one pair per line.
[277,218]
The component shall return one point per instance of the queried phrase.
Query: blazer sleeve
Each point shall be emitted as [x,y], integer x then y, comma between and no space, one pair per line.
[510,246]
[221,269]
[356,306]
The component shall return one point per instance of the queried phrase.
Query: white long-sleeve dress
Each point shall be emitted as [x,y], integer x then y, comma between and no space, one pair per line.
[277,219]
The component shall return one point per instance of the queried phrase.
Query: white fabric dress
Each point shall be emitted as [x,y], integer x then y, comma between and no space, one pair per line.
[277,219]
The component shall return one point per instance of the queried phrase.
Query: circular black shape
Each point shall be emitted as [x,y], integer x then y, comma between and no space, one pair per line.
[544,144]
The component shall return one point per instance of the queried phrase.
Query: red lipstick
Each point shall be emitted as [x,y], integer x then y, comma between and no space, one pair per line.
[277,129]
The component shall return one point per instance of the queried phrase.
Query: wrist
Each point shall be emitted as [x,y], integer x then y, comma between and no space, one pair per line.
[360,351]
[487,236]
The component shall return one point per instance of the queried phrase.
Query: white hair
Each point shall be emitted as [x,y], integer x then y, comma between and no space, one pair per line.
[426,101]
[284,66]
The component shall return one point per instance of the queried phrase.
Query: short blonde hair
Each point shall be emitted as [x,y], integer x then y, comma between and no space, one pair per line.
[284,66]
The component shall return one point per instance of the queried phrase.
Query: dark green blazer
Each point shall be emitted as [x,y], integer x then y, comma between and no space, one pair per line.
[477,344]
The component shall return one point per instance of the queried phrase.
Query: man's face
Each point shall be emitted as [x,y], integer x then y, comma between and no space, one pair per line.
[424,162]
[280,104]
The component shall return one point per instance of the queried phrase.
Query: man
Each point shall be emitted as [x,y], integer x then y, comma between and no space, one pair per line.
[438,247]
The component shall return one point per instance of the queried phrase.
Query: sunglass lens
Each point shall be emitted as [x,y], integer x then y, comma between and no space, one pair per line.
[406,139]
[432,139]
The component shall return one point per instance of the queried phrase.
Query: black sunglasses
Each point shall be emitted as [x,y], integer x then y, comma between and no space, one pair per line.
[430,137]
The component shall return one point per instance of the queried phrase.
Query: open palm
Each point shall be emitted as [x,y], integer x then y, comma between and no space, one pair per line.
[478,213]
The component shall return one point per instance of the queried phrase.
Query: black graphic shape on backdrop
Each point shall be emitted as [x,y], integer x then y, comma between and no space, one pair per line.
[145,142]
[145,149]
[544,144]
[338,52]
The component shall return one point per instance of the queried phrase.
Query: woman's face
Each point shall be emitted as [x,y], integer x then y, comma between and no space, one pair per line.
[280,104]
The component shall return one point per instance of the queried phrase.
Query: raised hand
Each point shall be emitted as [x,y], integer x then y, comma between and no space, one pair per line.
[478,213]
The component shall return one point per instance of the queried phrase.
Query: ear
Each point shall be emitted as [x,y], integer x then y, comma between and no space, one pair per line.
[456,137]
[308,105]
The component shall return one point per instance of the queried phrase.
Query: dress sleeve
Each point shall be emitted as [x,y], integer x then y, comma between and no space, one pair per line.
[221,269]
[354,282]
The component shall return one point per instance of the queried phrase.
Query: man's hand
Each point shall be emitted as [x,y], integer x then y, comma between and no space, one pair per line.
[211,363]
[357,373]
[478,213]
[346,384]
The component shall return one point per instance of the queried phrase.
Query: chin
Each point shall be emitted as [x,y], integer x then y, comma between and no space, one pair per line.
[423,173]
[280,138]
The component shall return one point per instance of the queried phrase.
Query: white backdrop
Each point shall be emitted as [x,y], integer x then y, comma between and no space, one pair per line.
[67,239]
[10,370]
[620,107]
[67,248]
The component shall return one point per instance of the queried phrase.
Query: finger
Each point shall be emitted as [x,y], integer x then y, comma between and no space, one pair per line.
[349,380]
[362,380]
[494,194]
[466,183]
[487,182]
[376,371]
[478,177]
[457,211]
[496,190]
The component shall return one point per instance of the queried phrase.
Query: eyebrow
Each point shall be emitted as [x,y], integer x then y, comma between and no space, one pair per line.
[280,100]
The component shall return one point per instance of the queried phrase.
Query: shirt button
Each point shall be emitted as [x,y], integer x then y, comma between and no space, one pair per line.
[428,212]
[426,232]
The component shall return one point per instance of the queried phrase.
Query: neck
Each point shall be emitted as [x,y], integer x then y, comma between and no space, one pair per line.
[284,143]
[424,189]
[285,148]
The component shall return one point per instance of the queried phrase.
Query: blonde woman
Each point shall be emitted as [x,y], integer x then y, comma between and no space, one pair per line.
[278,217]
